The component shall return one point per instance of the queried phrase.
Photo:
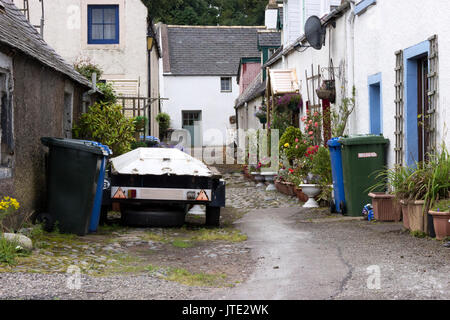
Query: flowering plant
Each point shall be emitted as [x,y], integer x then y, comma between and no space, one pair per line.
[313,128]
[290,101]
[7,206]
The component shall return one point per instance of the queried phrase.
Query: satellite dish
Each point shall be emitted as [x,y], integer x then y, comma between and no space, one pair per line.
[315,32]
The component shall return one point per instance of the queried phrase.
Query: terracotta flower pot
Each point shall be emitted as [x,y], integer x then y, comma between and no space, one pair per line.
[290,187]
[405,214]
[441,224]
[300,195]
[384,207]
[418,220]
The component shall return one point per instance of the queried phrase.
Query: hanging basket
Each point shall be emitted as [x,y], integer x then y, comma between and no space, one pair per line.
[327,91]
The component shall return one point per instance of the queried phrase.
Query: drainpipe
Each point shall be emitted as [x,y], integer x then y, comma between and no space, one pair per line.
[351,45]
[351,57]
[149,94]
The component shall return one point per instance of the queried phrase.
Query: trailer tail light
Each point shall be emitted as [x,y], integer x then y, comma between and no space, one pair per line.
[132,194]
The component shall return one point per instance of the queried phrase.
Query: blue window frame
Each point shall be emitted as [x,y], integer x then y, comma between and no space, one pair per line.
[103,24]
[375,104]
[362,6]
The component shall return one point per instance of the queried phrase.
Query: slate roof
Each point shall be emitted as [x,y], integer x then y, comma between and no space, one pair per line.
[269,39]
[17,33]
[281,13]
[214,51]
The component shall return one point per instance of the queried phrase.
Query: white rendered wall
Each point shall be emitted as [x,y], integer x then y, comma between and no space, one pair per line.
[201,93]
[66,31]
[382,30]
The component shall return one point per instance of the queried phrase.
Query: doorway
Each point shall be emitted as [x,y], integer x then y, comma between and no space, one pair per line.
[422,107]
[192,123]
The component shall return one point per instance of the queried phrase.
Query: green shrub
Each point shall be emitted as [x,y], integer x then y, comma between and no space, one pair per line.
[105,123]
[163,120]
[86,68]
[292,144]
[321,165]
[108,92]
[138,144]
[140,122]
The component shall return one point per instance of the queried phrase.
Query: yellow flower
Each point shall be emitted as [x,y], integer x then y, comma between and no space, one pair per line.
[286,145]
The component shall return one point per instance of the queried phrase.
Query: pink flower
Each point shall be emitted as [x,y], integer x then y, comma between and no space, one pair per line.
[316,124]
[310,133]
[310,121]
[316,114]
[296,147]
[296,139]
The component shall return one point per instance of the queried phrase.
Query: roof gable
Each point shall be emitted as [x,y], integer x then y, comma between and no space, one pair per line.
[209,50]
[16,32]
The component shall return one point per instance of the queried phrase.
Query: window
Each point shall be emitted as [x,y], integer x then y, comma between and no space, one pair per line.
[225,84]
[190,117]
[375,104]
[363,5]
[103,24]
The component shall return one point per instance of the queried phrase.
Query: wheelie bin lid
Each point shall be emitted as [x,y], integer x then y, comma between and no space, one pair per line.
[334,142]
[363,140]
[83,145]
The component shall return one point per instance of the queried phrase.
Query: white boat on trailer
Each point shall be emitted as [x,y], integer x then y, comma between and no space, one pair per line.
[146,178]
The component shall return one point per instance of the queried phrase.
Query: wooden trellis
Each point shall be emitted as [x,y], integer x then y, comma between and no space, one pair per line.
[399,107]
[433,94]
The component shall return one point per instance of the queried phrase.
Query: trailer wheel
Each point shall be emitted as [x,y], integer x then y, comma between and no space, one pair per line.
[212,216]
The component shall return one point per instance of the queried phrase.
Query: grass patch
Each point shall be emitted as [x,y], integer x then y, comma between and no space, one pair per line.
[418,234]
[182,244]
[110,228]
[10,251]
[182,237]
[188,278]
[230,235]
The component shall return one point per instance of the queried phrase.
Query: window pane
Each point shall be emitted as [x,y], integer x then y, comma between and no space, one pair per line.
[97,15]
[110,31]
[97,32]
[110,16]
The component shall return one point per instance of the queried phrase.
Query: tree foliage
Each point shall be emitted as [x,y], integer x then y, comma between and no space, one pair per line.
[207,12]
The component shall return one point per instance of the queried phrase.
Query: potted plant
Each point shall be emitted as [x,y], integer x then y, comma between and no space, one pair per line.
[393,205]
[427,184]
[441,218]
[163,120]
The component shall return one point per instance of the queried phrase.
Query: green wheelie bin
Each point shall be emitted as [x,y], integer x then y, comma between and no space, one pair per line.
[362,157]
[73,171]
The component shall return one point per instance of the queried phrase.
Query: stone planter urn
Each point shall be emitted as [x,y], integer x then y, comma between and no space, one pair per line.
[311,190]
[259,179]
[441,221]
[270,178]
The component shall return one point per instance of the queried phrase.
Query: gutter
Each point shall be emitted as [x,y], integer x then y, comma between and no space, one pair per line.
[337,13]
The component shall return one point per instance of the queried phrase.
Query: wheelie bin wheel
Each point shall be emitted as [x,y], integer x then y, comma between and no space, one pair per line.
[212,216]
[46,220]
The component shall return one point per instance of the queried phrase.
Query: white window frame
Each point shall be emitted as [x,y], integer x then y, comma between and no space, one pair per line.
[230,81]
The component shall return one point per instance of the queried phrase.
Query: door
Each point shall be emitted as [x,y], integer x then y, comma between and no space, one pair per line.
[422,107]
[192,123]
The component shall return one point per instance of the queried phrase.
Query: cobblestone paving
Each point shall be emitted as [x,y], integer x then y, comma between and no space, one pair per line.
[242,194]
